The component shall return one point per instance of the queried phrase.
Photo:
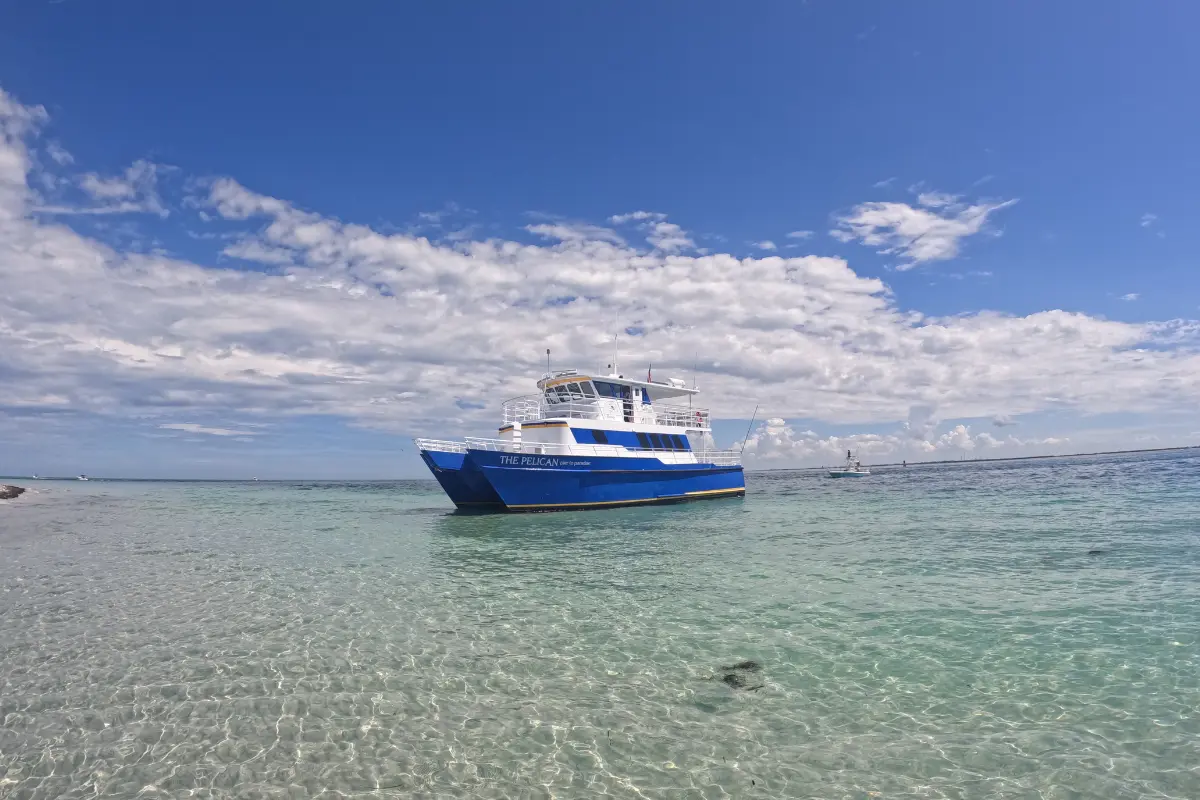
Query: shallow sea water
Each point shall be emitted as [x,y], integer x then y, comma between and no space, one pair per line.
[1021,629]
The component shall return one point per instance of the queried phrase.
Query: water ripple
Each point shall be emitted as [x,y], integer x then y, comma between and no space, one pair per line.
[990,630]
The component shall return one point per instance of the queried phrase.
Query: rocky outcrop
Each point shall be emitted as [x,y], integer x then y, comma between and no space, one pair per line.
[9,492]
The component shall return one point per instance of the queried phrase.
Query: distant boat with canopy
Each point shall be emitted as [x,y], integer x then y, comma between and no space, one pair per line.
[853,468]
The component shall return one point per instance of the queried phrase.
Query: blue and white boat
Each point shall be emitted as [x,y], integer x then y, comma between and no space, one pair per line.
[589,442]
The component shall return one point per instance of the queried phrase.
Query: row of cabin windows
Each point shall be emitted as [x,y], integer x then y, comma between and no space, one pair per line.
[582,390]
[662,441]
[568,392]
[632,439]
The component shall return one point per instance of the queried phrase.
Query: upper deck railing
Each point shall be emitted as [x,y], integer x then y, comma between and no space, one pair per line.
[534,407]
[720,458]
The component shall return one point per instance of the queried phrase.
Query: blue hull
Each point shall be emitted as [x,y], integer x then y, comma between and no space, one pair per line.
[466,490]
[549,483]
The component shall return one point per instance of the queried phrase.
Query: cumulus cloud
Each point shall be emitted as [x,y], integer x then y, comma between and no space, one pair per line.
[392,330]
[933,232]
[776,443]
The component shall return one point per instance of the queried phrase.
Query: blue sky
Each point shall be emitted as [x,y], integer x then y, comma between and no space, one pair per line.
[1010,158]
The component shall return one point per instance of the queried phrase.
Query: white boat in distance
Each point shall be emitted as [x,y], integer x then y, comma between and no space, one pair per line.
[852,469]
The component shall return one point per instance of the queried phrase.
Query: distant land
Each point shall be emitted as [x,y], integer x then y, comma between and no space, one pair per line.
[1010,458]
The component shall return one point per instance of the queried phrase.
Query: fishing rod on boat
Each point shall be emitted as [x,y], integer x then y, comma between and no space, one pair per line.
[748,427]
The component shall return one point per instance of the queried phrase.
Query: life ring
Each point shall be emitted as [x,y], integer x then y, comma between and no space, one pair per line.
[699,418]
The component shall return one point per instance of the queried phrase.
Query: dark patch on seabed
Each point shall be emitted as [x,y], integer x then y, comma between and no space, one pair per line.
[737,676]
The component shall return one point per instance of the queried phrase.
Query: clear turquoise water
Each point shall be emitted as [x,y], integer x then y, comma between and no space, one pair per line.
[935,632]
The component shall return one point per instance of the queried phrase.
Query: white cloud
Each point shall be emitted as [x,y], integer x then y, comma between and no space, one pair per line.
[883,184]
[576,232]
[800,235]
[663,236]
[937,199]
[394,331]
[958,438]
[1003,421]
[765,244]
[191,427]
[1148,219]
[917,235]
[776,443]
[135,191]
[636,216]
[1131,296]
[59,155]
[669,237]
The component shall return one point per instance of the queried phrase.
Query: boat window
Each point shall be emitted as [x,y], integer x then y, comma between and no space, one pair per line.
[656,441]
[551,397]
[643,440]
[563,395]
[600,436]
[575,390]
[680,442]
[606,389]
[645,397]
[587,389]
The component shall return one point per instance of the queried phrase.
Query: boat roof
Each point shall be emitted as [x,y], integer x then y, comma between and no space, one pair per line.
[658,389]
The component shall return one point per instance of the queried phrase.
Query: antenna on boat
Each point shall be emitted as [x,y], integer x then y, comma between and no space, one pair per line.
[748,427]
[547,360]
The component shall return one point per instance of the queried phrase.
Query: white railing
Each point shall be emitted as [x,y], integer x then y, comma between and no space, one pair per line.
[533,407]
[722,458]
[441,445]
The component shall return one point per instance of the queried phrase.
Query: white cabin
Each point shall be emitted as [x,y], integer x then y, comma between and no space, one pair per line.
[638,415]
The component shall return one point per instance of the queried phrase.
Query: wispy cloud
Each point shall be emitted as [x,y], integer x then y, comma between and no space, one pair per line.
[1130,297]
[800,235]
[765,244]
[59,154]
[883,184]
[666,237]
[1148,219]
[918,235]
[191,427]
[134,191]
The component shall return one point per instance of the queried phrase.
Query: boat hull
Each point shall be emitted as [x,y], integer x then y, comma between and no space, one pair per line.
[467,490]
[559,483]
[847,473]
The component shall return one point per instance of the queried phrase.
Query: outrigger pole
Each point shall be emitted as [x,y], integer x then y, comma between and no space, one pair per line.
[748,427]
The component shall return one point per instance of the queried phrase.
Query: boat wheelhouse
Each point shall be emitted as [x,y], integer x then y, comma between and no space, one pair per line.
[588,442]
